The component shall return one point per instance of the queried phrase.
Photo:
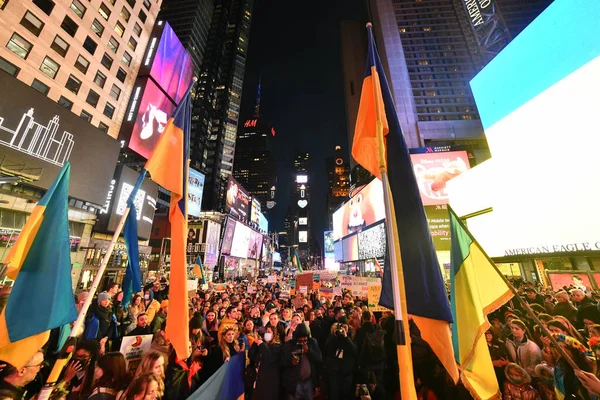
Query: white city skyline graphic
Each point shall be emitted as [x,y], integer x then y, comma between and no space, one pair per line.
[38,140]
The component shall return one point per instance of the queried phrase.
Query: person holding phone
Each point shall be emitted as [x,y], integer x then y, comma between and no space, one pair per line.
[499,355]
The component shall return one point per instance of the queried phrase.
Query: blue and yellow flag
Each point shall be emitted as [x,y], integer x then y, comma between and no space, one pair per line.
[40,264]
[225,384]
[169,167]
[296,261]
[426,295]
[477,289]
[199,270]
[133,279]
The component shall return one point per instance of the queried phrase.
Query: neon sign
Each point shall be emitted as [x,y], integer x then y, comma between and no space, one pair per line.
[273,131]
[251,123]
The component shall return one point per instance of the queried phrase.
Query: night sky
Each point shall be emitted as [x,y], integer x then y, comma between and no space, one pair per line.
[296,48]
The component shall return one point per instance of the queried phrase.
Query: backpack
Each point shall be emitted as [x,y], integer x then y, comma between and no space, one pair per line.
[373,350]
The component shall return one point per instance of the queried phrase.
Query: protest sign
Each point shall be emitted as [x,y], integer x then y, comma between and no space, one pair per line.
[134,348]
[374,293]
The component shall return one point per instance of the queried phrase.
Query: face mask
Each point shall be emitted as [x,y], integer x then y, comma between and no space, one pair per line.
[268,336]
[146,297]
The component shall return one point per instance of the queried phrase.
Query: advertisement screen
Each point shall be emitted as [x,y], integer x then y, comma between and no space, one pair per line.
[303,236]
[303,221]
[263,223]
[434,170]
[338,251]
[255,245]
[438,218]
[37,137]
[350,245]
[328,242]
[116,202]
[211,252]
[172,66]
[194,239]
[195,190]
[149,118]
[372,242]
[276,257]
[241,240]
[237,201]
[228,237]
[362,210]
[255,211]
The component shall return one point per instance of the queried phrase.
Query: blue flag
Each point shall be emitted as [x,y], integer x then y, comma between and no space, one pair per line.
[133,280]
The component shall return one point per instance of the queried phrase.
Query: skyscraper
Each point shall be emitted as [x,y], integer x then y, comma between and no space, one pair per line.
[338,176]
[254,166]
[430,54]
[84,55]
[301,205]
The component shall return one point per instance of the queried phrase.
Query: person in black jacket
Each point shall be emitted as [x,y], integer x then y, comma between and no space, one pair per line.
[267,354]
[340,361]
[142,328]
[300,358]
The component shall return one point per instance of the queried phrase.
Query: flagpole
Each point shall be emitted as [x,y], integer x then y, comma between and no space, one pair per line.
[516,295]
[70,344]
[407,384]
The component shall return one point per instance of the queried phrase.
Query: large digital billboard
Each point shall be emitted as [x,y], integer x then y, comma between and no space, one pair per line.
[116,196]
[362,210]
[241,240]
[543,138]
[263,223]
[195,191]
[372,242]
[434,170]
[329,251]
[255,211]
[167,62]
[237,200]
[255,245]
[228,236]
[211,251]
[147,115]
[37,137]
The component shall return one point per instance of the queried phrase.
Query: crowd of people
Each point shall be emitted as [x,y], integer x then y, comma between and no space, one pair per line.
[310,347]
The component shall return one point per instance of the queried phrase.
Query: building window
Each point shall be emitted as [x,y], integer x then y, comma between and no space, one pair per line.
[97,27]
[120,29]
[49,67]
[132,43]
[32,23]
[125,14]
[73,84]
[9,67]
[109,110]
[115,92]
[66,103]
[126,59]
[113,45]
[90,45]
[142,16]
[78,8]
[69,26]
[104,11]
[131,3]
[18,45]
[45,5]
[103,127]
[121,75]
[107,61]
[147,4]
[92,98]
[3,4]
[82,64]
[137,29]
[86,116]
[60,46]
[100,79]
[40,87]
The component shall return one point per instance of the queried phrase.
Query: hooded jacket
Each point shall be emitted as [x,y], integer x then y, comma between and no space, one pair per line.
[152,307]
[291,372]
[519,391]
[527,354]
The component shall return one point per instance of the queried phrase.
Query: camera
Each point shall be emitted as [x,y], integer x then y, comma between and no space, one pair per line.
[363,390]
[340,332]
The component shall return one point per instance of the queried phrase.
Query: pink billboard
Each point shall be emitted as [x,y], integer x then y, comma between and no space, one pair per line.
[434,170]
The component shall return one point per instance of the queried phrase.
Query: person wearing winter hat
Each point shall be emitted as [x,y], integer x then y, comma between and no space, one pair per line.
[101,322]
[518,384]
[300,358]
[545,383]
[150,305]
[196,334]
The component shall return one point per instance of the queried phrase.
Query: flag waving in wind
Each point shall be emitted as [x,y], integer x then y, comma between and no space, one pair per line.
[133,280]
[480,290]
[40,264]
[426,296]
[199,270]
[169,167]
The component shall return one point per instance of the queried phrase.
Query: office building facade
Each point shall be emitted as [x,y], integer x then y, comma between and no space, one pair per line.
[338,176]
[82,54]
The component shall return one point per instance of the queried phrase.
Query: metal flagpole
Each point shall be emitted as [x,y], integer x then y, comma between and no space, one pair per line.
[70,344]
[407,384]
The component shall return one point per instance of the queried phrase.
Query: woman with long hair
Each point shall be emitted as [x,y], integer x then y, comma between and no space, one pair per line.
[145,387]
[248,333]
[228,346]
[210,328]
[110,376]
[153,362]
[133,309]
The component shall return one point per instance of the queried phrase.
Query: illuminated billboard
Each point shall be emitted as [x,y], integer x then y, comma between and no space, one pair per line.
[329,251]
[255,245]
[211,252]
[241,240]
[116,202]
[372,242]
[301,178]
[555,64]
[237,200]
[303,221]
[147,115]
[255,211]
[195,191]
[434,170]
[263,223]
[361,211]
[228,236]
[303,236]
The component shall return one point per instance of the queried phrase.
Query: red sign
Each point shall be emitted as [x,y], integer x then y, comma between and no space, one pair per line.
[273,131]
[250,123]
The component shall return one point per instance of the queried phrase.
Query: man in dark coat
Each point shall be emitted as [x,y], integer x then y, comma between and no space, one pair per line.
[142,328]
[300,358]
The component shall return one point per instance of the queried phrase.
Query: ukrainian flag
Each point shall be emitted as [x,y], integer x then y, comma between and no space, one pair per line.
[296,261]
[40,264]
[133,279]
[477,289]
[169,167]
[199,270]
[225,384]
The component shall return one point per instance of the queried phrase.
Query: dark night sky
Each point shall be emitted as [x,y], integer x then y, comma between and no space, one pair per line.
[296,48]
